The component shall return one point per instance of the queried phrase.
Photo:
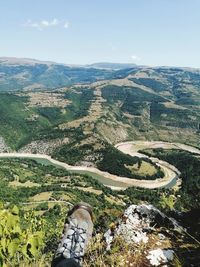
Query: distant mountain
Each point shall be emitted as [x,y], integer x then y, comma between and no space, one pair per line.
[17,74]
[112,66]
[22,61]
[27,74]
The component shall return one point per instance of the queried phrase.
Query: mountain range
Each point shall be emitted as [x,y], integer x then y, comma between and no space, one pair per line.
[113,102]
[27,74]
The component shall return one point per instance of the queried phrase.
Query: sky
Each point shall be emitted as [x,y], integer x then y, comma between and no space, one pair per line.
[144,32]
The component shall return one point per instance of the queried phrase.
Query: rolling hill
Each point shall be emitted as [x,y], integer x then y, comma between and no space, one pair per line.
[17,74]
[90,106]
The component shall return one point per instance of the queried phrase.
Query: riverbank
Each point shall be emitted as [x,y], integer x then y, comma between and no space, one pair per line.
[113,181]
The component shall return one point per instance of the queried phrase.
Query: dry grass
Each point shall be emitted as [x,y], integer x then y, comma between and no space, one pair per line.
[46,99]
[146,168]
[114,200]
[172,105]
[89,189]
[122,254]
[130,116]
[44,196]
[94,112]
[26,184]
[66,197]
[113,133]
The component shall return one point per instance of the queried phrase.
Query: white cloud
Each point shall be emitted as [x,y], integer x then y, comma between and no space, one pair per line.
[43,24]
[46,23]
[135,58]
[66,25]
[55,22]
[112,46]
[29,23]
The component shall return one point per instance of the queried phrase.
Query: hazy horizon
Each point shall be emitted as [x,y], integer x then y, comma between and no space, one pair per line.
[150,33]
[100,62]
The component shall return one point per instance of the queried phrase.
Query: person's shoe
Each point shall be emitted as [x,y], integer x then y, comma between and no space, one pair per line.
[77,232]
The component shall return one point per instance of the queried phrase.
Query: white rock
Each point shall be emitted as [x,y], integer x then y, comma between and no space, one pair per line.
[159,256]
[137,222]
[109,238]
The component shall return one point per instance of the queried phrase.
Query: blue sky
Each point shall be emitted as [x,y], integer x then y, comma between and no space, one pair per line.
[149,32]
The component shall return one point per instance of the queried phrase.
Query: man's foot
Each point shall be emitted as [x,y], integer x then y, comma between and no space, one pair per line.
[76,233]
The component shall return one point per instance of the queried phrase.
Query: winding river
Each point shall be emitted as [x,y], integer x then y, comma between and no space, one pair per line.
[171,174]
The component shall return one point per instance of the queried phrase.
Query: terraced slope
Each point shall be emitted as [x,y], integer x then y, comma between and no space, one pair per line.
[140,103]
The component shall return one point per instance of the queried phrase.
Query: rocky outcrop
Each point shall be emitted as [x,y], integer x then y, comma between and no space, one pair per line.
[145,224]
[160,256]
[3,146]
[43,146]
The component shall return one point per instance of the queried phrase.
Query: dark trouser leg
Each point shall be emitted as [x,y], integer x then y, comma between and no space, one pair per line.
[62,262]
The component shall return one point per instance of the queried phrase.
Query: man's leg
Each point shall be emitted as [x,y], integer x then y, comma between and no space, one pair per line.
[62,262]
[77,233]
